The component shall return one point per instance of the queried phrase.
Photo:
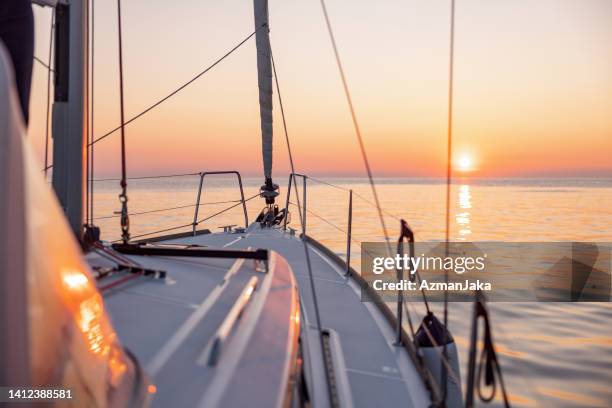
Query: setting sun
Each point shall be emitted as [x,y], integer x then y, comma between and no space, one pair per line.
[465,163]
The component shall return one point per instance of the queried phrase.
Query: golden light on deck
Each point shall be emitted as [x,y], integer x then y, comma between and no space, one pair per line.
[75,280]
[87,307]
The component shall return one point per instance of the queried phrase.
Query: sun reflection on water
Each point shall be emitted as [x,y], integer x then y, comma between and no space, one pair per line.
[463,216]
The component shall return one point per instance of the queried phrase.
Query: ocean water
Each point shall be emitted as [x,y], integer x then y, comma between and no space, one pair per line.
[552,354]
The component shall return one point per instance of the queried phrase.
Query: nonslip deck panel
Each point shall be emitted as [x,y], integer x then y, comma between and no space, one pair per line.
[367,351]
[195,299]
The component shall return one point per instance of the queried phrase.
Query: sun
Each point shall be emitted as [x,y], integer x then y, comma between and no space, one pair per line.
[465,163]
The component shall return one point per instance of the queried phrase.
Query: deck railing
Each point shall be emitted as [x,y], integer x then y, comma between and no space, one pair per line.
[304,210]
[197,205]
[198,202]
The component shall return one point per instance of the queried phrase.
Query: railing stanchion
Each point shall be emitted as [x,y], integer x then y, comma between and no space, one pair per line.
[304,205]
[287,202]
[246,216]
[195,216]
[400,296]
[242,200]
[348,234]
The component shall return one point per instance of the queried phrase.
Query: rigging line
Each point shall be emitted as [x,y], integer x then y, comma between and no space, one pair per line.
[306,251]
[506,338]
[448,172]
[328,184]
[349,100]
[331,224]
[171,94]
[91,133]
[87,129]
[222,202]
[385,212]
[43,63]
[325,220]
[125,226]
[49,94]
[157,232]
[280,103]
[169,209]
[187,225]
[150,177]
[147,212]
[226,209]
[356,194]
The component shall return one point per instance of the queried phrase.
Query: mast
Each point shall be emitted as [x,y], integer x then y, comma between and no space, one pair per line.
[264,79]
[69,113]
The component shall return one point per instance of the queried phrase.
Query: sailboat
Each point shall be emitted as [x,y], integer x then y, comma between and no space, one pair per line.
[261,315]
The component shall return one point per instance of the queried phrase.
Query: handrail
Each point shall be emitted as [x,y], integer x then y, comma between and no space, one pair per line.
[197,205]
[149,177]
[395,320]
[242,201]
[305,210]
[390,318]
[349,234]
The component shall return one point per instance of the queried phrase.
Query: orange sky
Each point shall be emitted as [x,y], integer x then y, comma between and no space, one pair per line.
[533,86]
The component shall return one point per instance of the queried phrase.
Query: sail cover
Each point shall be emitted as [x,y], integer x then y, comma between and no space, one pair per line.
[264,74]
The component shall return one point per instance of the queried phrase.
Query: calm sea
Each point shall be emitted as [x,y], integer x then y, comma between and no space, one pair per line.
[552,354]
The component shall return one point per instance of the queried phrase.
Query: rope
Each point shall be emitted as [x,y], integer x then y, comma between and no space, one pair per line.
[87,112]
[91,133]
[488,360]
[120,281]
[226,209]
[448,174]
[191,224]
[123,199]
[159,102]
[280,103]
[330,184]
[356,194]
[147,212]
[306,252]
[356,125]
[331,224]
[44,64]
[158,231]
[48,93]
[169,209]
[150,177]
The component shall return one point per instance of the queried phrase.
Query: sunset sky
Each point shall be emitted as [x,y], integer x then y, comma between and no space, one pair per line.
[533,91]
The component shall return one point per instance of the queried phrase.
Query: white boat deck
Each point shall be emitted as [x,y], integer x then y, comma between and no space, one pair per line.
[369,370]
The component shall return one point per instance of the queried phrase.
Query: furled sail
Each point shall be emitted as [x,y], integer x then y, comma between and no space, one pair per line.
[264,73]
